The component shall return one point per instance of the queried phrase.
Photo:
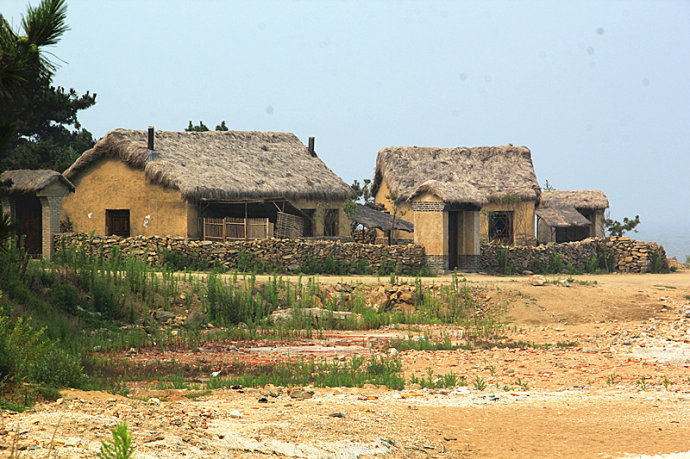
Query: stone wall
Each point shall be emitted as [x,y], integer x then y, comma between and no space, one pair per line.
[633,256]
[287,254]
[628,255]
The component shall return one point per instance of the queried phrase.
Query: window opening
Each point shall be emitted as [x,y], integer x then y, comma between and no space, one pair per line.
[501,226]
[117,222]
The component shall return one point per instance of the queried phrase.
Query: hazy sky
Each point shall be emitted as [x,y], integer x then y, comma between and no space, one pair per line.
[599,91]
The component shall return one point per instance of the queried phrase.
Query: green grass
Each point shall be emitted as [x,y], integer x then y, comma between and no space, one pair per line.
[380,371]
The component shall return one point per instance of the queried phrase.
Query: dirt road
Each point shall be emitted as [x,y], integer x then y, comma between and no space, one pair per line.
[606,373]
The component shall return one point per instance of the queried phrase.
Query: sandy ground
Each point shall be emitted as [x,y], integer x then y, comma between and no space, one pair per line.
[585,398]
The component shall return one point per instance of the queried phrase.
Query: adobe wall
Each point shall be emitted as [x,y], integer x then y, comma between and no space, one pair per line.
[288,254]
[523,220]
[109,183]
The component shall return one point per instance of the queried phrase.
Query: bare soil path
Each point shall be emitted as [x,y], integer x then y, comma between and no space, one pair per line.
[606,373]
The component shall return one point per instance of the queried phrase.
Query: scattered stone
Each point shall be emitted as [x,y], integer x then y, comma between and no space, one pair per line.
[195,319]
[154,401]
[163,316]
[337,415]
[300,394]
[537,280]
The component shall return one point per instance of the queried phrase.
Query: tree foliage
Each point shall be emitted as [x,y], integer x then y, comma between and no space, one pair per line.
[616,228]
[201,127]
[38,121]
[363,192]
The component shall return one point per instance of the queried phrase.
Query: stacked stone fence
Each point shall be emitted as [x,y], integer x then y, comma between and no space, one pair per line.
[625,255]
[633,256]
[288,255]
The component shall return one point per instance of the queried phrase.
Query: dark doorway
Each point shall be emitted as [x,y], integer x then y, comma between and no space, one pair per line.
[452,240]
[330,222]
[308,222]
[501,226]
[117,222]
[29,217]
[572,233]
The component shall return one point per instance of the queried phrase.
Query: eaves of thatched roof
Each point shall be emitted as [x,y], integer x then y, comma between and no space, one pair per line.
[452,192]
[581,199]
[496,172]
[372,218]
[222,164]
[25,181]
[561,217]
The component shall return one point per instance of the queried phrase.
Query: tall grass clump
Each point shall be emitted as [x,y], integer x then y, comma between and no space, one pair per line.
[356,372]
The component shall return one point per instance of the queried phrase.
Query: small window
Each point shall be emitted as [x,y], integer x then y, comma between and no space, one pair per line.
[501,226]
[117,222]
[330,222]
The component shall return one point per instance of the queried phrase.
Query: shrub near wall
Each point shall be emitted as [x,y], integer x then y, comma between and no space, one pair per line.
[619,254]
[288,255]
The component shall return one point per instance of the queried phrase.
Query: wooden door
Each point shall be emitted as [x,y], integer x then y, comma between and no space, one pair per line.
[29,218]
[452,240]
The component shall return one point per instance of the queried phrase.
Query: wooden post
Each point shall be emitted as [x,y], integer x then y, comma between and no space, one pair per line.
[204,226]
[266,229]
[225,230]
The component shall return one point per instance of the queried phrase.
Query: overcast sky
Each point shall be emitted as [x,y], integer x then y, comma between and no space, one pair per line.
[599,91]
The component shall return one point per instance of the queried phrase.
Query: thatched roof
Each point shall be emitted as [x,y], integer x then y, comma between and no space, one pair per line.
[582,199]
[25,181]
[452,192]
[372,218]
[561,217]
[223,164]
[496,172]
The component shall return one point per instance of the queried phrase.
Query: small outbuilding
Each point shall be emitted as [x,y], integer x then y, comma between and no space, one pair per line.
[33,201]
[566,216]
[458,196]
[216,185]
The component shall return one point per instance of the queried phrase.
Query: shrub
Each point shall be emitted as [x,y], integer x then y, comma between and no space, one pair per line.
[176,260]
[658,264]
[120,447]
[21,346]
[555,264]
[57,368]
[505,266]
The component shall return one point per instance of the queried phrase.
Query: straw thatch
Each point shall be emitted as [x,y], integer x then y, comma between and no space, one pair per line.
[26,181]
[452,192]
[562,217]
[496,172]
[372,218]
[581,199]
[223,164]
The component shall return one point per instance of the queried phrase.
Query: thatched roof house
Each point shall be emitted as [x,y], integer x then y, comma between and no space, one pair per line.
[187,177]
[570,215]
[222,164]
[580,199]
[33,200]
[457,196]
[462,172]
[28,181]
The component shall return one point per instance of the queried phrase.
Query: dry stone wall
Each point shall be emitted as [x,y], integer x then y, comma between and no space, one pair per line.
[628,255]
[286,254]
[633,256]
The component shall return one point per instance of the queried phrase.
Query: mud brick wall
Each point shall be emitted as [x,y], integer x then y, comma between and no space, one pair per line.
[288,254]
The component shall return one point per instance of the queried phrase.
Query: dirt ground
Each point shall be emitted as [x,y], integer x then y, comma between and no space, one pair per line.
[606,374]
